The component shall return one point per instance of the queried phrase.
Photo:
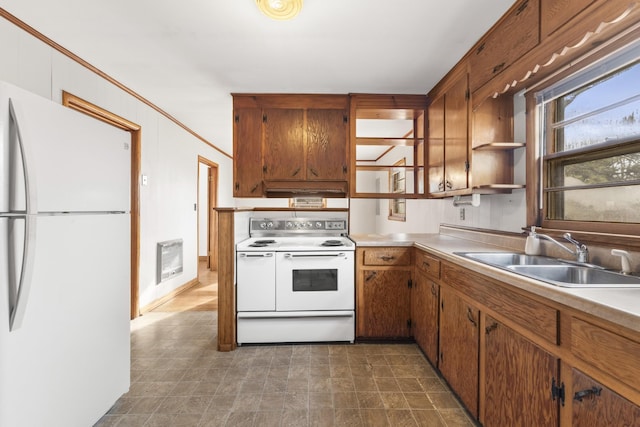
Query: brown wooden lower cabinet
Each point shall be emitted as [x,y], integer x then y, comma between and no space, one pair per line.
[597,406]
[510,372]
[459,345]
[384,304]
[519,377]
[500,349]
[424,315]
[383,292]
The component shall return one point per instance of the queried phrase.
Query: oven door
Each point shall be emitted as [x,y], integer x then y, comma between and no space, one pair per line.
[322,280]
[255,286]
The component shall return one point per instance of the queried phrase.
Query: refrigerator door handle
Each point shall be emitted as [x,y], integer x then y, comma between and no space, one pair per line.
[16,117]
[20,284]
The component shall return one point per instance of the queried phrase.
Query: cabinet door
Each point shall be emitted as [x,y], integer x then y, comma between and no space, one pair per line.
[513,37]
[326,145]
[435,148]
[459,345]
[283,144]
[384,304]
[597,406]
[424,315]
[456,117]
[247,152]
[555,13]
[518,380]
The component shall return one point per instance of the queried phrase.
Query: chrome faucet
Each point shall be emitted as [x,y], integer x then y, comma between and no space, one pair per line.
[581,253]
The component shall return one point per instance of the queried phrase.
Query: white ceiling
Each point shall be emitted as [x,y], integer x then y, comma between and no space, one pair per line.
[187,56]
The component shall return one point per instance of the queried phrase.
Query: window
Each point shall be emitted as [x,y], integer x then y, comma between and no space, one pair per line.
[397,184]
[591,144]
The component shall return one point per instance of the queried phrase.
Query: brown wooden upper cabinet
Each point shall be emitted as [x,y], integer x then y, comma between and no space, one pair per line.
[513,36]
[387,138]
[288,145]
[555,13]
[448,144]
[247,152]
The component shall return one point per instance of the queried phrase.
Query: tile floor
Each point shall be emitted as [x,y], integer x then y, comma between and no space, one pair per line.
[179,379]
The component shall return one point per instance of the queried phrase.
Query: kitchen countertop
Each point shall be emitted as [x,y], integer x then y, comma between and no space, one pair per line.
[617,305]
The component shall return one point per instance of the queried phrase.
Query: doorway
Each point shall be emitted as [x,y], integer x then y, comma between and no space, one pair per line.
[85,107]
[207,225]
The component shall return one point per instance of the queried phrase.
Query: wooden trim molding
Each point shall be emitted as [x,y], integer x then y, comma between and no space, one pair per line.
[135,130]
[22,25]
[157,303]
[212,203]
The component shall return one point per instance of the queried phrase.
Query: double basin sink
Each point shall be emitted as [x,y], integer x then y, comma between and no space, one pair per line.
[554,271]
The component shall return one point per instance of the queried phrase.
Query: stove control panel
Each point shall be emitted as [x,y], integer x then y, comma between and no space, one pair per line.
[336,225]
[313,225]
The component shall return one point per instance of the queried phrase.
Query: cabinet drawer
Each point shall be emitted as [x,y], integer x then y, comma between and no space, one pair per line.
[387,256]
[428,264]
[520,309]
[606,351]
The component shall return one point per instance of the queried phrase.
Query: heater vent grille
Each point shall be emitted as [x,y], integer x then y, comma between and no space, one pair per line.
[169,259]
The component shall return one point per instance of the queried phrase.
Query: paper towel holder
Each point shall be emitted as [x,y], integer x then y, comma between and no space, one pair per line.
[473,201]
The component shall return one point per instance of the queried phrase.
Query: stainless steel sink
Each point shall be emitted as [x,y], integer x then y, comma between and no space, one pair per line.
[576,276]
[554,271]
[504,259]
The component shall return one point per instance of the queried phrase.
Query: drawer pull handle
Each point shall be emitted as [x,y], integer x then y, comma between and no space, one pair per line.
[498,68]
[387,257]
[370,276]
[593,391]
[434,291]
[522,7]
[425,264]
[470,317]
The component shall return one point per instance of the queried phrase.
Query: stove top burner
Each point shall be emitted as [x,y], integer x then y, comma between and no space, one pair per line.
[333,243]
[262,243]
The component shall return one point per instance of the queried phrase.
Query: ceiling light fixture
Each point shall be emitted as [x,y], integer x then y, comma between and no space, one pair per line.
[280,10]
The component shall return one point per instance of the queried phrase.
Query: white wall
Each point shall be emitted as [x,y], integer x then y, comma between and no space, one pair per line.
[169,154]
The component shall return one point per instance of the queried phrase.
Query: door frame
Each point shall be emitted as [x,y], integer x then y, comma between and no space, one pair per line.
[85,107]
[212,202]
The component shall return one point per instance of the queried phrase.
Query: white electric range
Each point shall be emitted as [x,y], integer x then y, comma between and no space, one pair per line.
[295,282]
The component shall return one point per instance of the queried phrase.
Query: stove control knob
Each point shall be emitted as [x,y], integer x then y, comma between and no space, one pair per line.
[318,225]
[270,224]
[308,225]
[288,225]
[263,225]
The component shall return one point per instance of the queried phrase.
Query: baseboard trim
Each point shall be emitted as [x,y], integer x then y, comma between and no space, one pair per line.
[157,303]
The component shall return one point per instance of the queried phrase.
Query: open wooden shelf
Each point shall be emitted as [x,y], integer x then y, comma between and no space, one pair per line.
[499,146]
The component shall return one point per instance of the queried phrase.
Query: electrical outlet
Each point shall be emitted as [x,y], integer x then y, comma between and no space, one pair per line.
[462,213]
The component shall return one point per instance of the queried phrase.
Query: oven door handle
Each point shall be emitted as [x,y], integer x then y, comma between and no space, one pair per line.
[338,255]
[245,255]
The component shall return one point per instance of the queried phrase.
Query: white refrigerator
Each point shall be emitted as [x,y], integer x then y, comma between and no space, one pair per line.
[64,263]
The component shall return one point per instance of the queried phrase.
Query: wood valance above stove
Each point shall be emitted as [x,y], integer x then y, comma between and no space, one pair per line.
[306,188]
